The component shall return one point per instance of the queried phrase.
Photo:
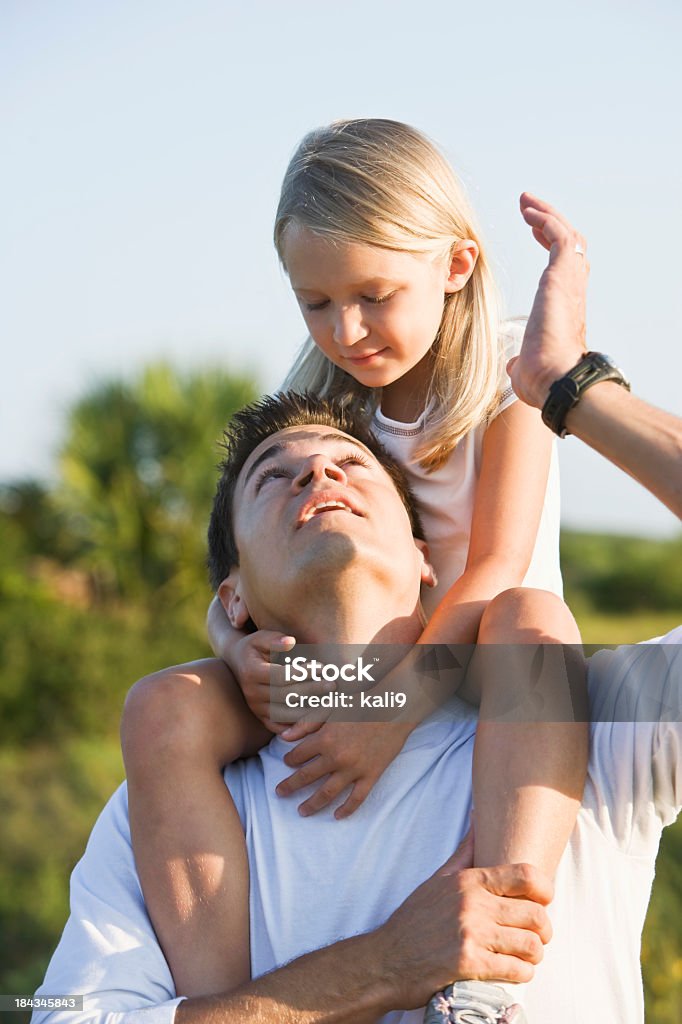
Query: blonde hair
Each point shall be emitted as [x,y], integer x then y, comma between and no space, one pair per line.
[383,183]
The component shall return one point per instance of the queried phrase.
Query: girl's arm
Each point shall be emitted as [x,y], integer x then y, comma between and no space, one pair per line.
[220,632]
[525,805]
[509,498]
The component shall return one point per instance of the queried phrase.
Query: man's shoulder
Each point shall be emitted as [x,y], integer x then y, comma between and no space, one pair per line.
[634,783]
[638,683]
[674,637]
[112,828]
[106,873]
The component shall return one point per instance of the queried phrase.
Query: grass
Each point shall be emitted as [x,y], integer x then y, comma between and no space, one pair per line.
[624,629]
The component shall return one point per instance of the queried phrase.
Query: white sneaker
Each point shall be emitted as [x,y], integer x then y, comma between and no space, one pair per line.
[473,1002]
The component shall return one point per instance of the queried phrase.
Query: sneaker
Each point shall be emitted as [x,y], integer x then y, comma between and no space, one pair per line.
[473,1002]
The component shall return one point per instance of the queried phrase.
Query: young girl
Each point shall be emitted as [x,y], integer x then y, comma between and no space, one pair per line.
[381,251]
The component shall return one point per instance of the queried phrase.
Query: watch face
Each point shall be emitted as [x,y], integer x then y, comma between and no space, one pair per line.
[602,357]
[605,360]
[597,358]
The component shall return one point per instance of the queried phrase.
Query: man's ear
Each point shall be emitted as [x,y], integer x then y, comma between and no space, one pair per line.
[461,267]
[428,573]
[231,597]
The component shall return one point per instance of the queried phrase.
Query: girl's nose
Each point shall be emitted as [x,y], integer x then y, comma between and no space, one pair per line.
[349,327]
[318,468]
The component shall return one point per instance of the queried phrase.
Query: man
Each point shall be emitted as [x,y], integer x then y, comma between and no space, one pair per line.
[340,903]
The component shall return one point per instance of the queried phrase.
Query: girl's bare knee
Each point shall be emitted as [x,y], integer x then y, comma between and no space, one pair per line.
[528,615]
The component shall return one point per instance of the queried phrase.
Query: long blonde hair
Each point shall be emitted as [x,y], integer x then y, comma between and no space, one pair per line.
[382,183]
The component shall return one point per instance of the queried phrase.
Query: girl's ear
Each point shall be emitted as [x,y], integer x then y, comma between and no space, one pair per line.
[232,599]
[462,263]
[428,573]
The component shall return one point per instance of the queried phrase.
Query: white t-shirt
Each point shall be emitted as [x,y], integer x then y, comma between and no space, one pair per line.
[446,497]
[315,881]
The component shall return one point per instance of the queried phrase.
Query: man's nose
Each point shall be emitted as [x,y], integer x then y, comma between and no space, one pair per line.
[318,469]
[348,326]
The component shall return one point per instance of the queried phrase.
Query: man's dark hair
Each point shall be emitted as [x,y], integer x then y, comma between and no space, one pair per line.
[260,420]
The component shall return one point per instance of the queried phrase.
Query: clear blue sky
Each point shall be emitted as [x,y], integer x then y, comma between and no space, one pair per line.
[144,143]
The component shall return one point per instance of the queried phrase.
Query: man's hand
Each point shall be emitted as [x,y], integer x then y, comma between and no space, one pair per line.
[638,438]
[554,339]
[475,923]
[344,754]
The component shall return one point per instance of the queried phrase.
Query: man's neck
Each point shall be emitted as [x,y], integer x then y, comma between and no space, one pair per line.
[355,615]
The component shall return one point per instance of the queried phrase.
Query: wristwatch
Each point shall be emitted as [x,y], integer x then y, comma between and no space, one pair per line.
[566,392]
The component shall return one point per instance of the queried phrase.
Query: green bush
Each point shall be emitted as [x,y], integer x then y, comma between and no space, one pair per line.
[49,799]
[65,671]
[622,574]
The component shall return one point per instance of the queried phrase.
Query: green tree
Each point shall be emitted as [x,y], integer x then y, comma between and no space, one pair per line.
[28,516]
[138,473]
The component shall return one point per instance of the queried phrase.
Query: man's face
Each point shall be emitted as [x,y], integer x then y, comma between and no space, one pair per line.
[313,508]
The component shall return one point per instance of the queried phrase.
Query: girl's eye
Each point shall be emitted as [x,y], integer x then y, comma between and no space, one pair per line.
[373,300]
[270,474]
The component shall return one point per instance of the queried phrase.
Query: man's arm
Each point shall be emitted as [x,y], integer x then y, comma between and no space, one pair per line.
[342,983]
[638,438]
[460,923]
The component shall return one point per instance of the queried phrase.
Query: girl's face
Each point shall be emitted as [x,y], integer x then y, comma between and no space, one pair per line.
[374,312]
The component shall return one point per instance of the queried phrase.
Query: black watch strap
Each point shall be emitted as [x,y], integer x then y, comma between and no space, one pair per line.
[566,392]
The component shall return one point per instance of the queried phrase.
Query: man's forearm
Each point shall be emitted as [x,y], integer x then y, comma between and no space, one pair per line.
[638,438]
[343,983]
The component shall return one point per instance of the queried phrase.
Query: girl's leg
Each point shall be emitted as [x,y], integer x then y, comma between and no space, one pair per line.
[530,758]
[180,727]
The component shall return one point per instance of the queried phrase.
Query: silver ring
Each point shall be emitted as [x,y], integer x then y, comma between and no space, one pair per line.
[579,251]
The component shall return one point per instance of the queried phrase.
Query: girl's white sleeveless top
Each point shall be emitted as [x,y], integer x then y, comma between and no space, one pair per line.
[446,497]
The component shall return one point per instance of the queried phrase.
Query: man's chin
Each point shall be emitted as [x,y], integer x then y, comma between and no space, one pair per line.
[327,554]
